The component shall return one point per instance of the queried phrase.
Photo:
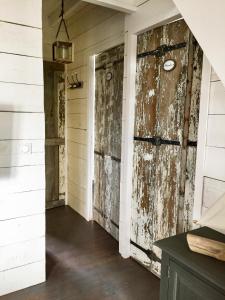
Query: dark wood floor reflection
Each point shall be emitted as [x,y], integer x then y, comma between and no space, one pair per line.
[83,263]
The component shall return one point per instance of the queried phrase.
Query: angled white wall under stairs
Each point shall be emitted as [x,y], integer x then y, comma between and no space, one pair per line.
[206,20]
[22,169]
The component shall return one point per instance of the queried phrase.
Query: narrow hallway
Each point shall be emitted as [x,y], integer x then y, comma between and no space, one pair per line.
[83,263]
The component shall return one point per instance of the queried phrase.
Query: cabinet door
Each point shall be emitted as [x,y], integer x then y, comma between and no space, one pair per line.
[183,285]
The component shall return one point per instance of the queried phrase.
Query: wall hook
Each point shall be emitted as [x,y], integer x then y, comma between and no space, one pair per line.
[74,83]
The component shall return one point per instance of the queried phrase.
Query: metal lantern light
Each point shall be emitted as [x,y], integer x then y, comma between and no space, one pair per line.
[62,50]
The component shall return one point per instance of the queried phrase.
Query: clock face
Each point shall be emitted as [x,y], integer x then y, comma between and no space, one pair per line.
[169,65]
[108,76]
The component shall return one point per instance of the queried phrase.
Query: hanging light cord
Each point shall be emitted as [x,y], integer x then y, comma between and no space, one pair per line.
[62,21]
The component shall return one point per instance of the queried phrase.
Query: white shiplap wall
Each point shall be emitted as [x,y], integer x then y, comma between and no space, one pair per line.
[97,29]
[214,165]
[22,171]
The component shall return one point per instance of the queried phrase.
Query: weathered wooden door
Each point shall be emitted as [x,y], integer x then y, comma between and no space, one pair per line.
[168,78]
[108,120]
[54,103]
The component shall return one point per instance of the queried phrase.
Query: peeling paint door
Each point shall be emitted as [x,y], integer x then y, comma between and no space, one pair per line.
[54,103]
[168,76]
[107,149]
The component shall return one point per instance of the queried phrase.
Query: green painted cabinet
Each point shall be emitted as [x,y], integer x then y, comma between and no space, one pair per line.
[190,276]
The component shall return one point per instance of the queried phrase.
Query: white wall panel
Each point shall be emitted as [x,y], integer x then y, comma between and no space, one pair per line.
[20,39]
[217,98]
[21,97]
[20,254]
[27,12]
[22,277]
[14,205]
[20,179]
[22,229]
[77,150]
[77,135]
[22,126]
[215,163]
[20,69]
[213,190]
[77,121]
[78,106]
[216,130]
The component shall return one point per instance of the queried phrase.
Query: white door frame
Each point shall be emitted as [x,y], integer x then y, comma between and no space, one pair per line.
[149,15]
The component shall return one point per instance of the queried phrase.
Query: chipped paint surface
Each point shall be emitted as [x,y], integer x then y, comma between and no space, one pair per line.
[108,122]
[167,106]
[61,134]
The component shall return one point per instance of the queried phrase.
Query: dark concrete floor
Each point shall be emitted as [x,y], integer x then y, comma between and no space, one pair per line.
[83,263]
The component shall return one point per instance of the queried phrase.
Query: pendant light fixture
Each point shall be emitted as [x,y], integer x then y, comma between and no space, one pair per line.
[62,50]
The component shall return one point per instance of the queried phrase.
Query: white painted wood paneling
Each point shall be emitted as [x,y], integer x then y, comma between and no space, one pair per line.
[216,131]
[77,150]
[22,126]
[21,179]
[15,147]
[20,254]
[78,106]
[21,97]
[98,34]
[77,191]
[215,163]
[77,171]
[77,121]
[77,93]
[20,39]
[77,204]
[27,12]
[21,153]
[20,69]
[22,277]
[77,135]
[217,98]
[213,190]
[22,229]
[14,205]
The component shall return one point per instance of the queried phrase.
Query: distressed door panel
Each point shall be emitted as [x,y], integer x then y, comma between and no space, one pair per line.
[166,121]
[167,189]
[108,120]
[172,96]
[147,82]
[143,200]
[99,111]
[54,103]
[195,92]
[149,40]
[175,33]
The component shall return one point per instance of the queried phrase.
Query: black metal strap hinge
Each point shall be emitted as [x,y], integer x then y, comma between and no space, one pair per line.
[151,255]
[162,50]
[157,141]
[102,154]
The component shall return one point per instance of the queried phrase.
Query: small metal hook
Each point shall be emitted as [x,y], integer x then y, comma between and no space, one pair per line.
[75,83]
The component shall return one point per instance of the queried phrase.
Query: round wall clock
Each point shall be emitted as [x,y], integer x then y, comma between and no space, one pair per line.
[169,65]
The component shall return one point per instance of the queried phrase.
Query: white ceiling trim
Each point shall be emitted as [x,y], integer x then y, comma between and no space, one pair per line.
[122,5]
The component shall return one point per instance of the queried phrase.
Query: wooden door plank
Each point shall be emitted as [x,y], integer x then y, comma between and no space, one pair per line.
[147,90]
[172,96]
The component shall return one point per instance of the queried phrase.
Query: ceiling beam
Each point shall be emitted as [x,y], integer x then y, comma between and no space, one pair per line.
[120,5]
